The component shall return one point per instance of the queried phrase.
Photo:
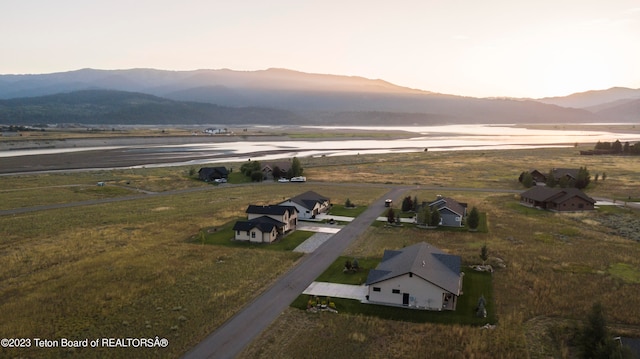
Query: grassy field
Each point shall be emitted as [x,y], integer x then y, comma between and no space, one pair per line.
[139,268]
[132,269]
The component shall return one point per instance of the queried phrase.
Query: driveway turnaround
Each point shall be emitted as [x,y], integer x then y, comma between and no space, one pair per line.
[237,332]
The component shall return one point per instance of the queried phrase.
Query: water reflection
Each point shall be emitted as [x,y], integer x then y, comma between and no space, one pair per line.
[433,138]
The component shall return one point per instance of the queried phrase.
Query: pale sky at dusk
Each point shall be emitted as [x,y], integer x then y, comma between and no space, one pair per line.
[474,48]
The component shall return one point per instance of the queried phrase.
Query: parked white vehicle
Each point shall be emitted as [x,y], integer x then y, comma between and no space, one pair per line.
[299,179]
[283,180]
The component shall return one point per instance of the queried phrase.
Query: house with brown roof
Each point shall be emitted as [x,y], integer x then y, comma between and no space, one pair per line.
[557,199]
[276,169]
[570,174]
[420,276]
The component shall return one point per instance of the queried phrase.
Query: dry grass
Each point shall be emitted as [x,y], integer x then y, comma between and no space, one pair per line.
[126,269]
[557,266]
[477,169]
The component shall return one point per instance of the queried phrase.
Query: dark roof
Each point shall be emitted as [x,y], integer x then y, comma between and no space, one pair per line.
[264,224]
[561,172]
[213,172]
[450,203]
[283,166]
[271,209]
[423,260]
[555,195]
[309,199]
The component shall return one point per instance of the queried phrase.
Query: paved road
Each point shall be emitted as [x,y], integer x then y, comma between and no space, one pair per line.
[232,337]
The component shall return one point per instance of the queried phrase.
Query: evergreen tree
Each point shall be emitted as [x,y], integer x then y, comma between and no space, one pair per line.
[407,204]
[474,218]
[594,338]
[616,147]
[435,218]
[391,216]
[296,167]
[527,179]
[277,172]
[583,179]
[551,180]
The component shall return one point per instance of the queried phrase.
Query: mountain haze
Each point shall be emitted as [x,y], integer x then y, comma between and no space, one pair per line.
[294,97]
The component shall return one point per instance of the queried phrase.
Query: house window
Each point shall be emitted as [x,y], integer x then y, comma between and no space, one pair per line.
[376,289]
[238,232]
[253,234]
[395,291]
[410,275]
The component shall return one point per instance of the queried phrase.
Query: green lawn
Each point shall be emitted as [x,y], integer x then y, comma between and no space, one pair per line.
[474,285]
[223,236]
[335,274]
[340,210]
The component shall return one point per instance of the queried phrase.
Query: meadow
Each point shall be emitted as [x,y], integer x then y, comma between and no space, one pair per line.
[137,268]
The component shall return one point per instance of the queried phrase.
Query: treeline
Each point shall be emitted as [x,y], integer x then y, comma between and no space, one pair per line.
[614,148]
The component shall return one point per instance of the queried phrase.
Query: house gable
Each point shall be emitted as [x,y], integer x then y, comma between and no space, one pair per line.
[423,260]
[308,204]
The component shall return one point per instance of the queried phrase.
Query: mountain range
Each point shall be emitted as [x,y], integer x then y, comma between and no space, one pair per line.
[278,96]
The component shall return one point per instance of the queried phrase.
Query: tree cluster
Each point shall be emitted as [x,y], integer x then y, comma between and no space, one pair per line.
[351,266]
[294,171]
[618,148]
[253,170]
[581,181]
[594,340]
[428,217]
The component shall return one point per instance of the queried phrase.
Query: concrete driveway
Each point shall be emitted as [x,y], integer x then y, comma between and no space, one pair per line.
[335,290]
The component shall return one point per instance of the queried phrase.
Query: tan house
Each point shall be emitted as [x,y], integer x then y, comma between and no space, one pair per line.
[258,230]
[419,276]
[309,204]
[265,224]
[288,215]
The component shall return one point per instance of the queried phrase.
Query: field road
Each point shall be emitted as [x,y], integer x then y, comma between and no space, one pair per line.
[231,338]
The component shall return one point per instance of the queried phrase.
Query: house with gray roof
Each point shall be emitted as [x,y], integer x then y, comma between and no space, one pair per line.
[261,229]
[209,174]
[309,204]
[557,199]
[420,276]
[451,211]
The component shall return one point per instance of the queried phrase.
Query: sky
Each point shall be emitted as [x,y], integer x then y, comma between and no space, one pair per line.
[489,48]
